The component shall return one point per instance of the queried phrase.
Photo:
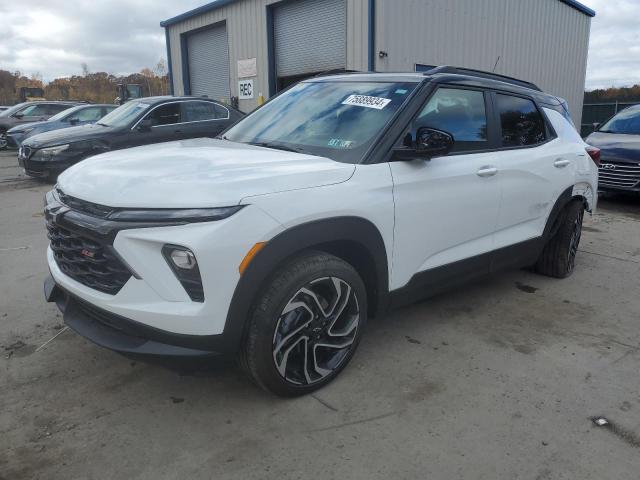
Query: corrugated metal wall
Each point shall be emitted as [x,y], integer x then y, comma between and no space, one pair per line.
[247,32]
[543,41]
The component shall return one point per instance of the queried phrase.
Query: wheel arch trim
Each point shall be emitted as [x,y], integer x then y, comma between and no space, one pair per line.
[315,234]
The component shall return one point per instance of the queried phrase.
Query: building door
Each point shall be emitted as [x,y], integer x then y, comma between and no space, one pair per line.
[310,37]
[208,54]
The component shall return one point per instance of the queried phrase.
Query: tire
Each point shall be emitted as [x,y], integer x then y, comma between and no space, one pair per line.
[314,307]
[559,254]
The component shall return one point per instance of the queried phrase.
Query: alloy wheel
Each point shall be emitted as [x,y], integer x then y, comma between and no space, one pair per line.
[316,330]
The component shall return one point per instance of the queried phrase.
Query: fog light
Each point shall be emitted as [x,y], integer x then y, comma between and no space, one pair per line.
[184,265]
[183,258]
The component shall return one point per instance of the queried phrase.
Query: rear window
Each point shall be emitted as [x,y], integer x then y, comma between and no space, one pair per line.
[522,124]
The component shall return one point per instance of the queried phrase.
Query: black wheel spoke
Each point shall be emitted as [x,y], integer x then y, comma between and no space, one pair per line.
[574,241]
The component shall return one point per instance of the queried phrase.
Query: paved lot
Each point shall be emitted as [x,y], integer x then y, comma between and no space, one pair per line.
[495,381]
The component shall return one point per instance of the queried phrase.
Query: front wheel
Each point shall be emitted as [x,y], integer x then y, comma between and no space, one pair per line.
[558,258]
[305,325]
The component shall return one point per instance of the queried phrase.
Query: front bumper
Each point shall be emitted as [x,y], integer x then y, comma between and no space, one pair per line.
[127,336]
[42,169]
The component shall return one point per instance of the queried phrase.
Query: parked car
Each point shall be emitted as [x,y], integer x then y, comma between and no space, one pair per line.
[619,142]
[28,112]
[71,117]
[337,199]
[138,122]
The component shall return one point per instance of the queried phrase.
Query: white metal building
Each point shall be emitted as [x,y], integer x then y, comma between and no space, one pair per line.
[248,48]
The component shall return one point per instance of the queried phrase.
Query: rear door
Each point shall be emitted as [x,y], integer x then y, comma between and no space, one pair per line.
[535,166]
[446,208]
[202,119]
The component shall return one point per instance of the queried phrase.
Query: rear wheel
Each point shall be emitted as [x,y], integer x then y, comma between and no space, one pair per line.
[305,325]
[559,255]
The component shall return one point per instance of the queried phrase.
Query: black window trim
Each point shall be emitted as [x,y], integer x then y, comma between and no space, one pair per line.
[488,106]
[550,133]
[145,114]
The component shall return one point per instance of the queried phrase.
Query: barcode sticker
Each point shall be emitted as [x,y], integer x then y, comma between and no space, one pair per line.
[366,101]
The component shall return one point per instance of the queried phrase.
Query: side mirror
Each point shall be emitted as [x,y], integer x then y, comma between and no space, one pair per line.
[145,125]
[596,126]
[73,121]
[429,143]
[18,115]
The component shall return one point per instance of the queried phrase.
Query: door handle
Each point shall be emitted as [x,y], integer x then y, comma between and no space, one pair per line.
[561,163]
[487,171]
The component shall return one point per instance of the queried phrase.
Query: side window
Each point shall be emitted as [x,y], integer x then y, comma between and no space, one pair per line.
[89,114]
[522,124]
[33,110]
[198,111]
[167,114]
[461,113]
[53,108]
[221,112]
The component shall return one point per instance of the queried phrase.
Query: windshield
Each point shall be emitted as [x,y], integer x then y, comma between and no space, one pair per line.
[11,110]
[338,120]
[627,121]
[64,113]
[124,114]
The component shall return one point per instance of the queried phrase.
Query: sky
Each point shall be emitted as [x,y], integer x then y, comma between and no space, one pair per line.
[55,37]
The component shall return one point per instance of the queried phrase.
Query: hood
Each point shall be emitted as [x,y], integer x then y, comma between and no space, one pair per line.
[616,147]
[24,126]
[195,173]
[68,135]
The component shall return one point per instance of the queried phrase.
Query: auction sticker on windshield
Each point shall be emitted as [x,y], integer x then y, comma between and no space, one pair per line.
[366,101]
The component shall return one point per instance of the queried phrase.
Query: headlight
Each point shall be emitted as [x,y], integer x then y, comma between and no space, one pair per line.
[170,214]
[26,130]
[50,152]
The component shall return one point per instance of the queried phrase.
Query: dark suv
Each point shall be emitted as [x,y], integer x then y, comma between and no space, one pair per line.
[619,142]
[138,122]
[29,112]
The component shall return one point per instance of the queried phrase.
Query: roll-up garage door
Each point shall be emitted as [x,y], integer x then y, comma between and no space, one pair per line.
[310,36]
[208,53]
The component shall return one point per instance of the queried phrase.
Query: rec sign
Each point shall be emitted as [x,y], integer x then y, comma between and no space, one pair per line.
[245,89]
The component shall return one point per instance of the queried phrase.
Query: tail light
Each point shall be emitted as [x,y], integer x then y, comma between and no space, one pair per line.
[594,153]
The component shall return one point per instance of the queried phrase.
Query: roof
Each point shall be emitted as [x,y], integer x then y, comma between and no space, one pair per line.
[221,3]
[449,75]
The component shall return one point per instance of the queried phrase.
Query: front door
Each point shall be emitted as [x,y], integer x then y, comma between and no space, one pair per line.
[446,208]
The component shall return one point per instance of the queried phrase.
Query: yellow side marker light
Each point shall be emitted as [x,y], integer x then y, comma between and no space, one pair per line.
[249,256]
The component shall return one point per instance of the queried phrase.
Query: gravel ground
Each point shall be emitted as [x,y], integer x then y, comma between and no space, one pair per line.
[497,380]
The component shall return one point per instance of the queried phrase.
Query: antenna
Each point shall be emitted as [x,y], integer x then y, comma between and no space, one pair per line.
[496,64]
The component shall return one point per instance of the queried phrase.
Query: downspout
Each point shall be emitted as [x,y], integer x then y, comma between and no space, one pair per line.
[372,35]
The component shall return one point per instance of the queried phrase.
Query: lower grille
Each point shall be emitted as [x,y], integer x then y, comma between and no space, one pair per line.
[87,261]
[618,174]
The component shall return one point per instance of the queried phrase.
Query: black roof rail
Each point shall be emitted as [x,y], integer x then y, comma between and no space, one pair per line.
[482,74]
[336,71]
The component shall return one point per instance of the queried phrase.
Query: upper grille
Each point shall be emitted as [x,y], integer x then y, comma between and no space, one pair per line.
[83,206]
[87,261]
[618,174]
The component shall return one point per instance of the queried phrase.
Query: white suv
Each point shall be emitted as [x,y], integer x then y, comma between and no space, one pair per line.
[341,197]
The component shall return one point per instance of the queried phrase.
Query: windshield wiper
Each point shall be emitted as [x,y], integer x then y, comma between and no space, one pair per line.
[103,124]
[277,146]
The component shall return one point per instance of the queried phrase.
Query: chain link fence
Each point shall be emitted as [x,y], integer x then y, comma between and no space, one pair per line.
[597,113]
